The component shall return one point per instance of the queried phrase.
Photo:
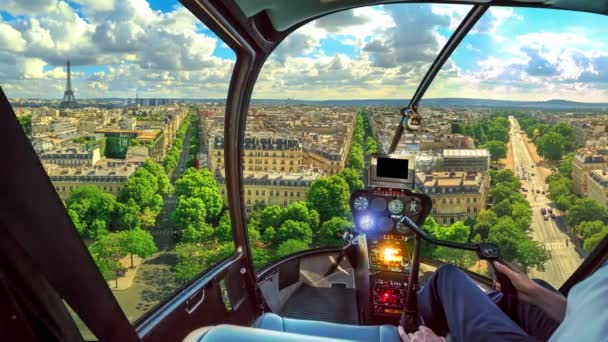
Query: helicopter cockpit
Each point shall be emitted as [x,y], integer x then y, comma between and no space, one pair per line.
[228,170]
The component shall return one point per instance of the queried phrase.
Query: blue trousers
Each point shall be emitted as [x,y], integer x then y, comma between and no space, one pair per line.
[449,301]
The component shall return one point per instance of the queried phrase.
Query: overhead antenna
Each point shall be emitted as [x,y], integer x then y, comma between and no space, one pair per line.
[410,119]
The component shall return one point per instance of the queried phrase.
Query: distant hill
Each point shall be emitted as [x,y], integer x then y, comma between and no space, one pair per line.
[562,105]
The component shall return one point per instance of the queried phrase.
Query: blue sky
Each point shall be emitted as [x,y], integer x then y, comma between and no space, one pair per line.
[159,49]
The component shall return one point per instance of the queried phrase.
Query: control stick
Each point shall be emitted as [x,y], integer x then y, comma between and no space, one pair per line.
[485,251]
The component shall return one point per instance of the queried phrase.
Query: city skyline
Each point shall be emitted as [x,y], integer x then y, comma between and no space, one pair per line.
[364,53]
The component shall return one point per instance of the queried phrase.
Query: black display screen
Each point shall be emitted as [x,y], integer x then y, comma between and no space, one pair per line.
[392,168]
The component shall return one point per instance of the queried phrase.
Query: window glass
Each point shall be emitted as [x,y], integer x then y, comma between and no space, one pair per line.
[525,93]
[309,133]
[120,101]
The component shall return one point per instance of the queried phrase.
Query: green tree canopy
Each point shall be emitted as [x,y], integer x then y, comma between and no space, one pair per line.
[91,210]
[352,178]
[164,185]
[294,230]
[551,146]
[139,242]
[189,211]
[329,197]
[586,209]
[331,232]
[127,216]
[514,244]
[588,228]
[498,149]
[594,240]
[201,184]
[290,247]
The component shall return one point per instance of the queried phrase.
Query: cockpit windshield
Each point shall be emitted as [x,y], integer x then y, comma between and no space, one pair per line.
[124,103]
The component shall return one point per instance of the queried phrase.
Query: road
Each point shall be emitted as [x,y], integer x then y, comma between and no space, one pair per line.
[154,280]
[564,257]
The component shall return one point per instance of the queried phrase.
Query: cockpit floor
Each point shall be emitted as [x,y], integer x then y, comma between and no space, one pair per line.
[337,305]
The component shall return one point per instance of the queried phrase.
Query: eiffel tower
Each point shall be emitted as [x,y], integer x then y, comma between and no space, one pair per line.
[69,100]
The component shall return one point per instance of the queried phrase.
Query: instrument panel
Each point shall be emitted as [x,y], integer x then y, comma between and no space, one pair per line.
[377,211]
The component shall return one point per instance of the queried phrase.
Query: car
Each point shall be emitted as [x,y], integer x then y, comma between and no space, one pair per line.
[543,211]
[524,189]
[532,174]
[550,210]
[532,166]
[537,191]
[552,215]
[542,192]
[546,217]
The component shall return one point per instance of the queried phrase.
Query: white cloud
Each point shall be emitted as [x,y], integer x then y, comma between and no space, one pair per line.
[11,39]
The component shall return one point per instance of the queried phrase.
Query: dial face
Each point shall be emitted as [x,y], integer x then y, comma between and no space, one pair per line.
[378,204]
[395,206]
[413,207]
[360,203]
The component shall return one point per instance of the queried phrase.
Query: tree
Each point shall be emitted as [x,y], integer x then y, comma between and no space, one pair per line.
[192,259]
[164,185]
[299,211]
[551,146]
[331,232]
[329,197]
[139,242]
[294,230]
[271,216]
[189,211]
[515,245]
[565,165]
[352,178]
[594,240]
[588,228]
[223,231]
[201,184]
[93,209]
[290,247]
[498,149]
[485,220]
[586,209]
[522,213]
[127,216]
[503,208]
[371,147]
[562,203]
[107,251]
[260,257]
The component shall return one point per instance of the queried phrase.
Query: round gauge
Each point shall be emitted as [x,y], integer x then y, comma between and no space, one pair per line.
[395,206]
[360,203]
[378,203]
[385,224]
[413,206]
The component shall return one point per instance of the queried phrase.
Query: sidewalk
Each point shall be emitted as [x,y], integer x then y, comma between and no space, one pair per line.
[126,281]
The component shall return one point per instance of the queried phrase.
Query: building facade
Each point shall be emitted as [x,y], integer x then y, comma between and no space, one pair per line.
[597,186]
[72,156]
[271,188]
[455,195]
[108,179]
[261,154]
[582,163]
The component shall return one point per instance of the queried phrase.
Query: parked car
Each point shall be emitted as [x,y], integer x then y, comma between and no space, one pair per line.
[542,192]
[524,189]
[543,211]
[546,217]
[550,210]
[532,173]
[552,215]
[537,191]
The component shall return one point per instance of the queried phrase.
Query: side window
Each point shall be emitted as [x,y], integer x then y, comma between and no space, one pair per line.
[115,103]
[319,131]
[536,162]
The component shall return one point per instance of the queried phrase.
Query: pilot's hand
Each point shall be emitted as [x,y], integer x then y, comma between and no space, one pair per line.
[526,288]
[423,334]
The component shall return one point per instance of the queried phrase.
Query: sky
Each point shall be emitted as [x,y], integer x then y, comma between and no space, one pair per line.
[157,48]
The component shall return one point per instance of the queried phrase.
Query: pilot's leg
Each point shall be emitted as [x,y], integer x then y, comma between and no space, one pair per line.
[532,319]
[451,302]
